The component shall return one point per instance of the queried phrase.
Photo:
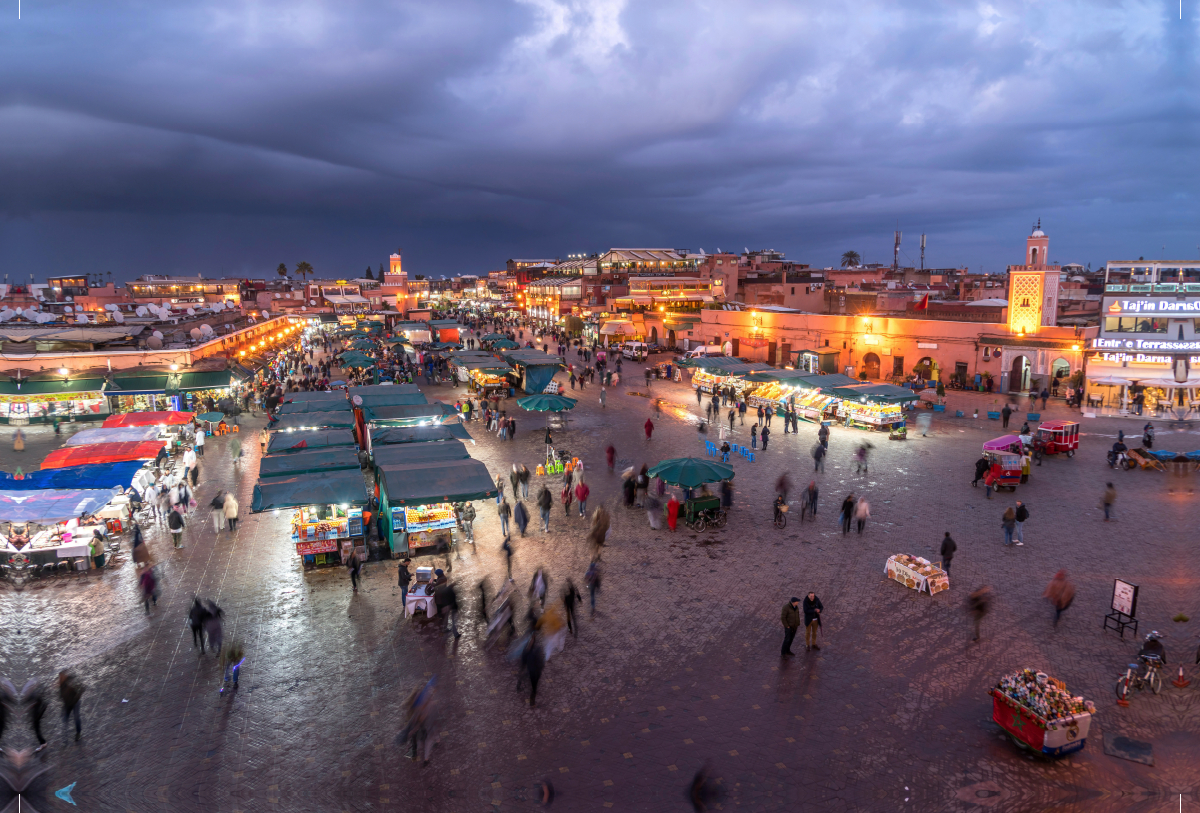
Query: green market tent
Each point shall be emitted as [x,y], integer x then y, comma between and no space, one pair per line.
[313,439]
[338,404]
[341,419]
[410,454]
[296,463]
[767,376]
[303,397]
[691,472]
[443,481]
[726,365]
[493,337]
[546,403]
[829,382]
[504,344]
[325,488]
[877,393]
[391,399]
[383,389]
[409,412]
[384,435]
[440,346]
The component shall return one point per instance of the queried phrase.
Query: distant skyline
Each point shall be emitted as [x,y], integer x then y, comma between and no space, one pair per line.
[224,138]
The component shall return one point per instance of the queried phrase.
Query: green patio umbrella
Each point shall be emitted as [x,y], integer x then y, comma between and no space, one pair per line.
[362,344]
[359,363]
[504,344]
[546,403]
[691,472]
[211,416]
[493,337]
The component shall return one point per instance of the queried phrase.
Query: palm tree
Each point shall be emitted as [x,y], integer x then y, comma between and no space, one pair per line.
[851,258]
[282,270]
[303,269]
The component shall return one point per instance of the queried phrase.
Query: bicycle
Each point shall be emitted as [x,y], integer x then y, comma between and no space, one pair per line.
[781,517]
[1131,680]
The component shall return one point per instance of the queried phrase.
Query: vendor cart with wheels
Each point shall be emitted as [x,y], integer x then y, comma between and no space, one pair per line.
[700,512]
[1056,437]
[1005,458]
[1040,715]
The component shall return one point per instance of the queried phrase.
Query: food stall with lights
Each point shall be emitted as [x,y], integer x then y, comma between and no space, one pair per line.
[327,512]
[416,500]
[487,376]
[408,415]
[873,406]
[712,373]
[48,528]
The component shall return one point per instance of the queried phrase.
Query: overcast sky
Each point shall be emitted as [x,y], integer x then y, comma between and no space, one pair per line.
[225,137]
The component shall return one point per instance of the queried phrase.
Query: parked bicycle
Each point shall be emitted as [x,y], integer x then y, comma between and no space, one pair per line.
[1132,681]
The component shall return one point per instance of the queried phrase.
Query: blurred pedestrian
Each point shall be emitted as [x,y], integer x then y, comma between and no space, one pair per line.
[1061,593]
[468,522]
[581,494]
[790,618]
[505,511]
[214,626]
[610,456]
[70,690]
[231,512]
[862,512]
[149,586]
[847,512]
[35,699]
[818,454]
[355,568]
[978,604]
[403,580]
[567,496]
[521,517]
[445,599]
[533,661]
[232,658]
[649,427]
[545,501]
[672,512]
[176,524]
[948,548]
[592,580]
[197,615]
[1108,500]
[571,599]
[506,548]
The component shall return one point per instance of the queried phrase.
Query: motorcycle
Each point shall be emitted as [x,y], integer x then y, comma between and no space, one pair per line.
[1119,460]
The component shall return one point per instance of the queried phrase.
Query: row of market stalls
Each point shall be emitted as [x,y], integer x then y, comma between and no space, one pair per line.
[331,456]
[814,397]
[48,518]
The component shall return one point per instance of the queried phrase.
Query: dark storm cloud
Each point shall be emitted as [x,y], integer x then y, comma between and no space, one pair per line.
[230,135]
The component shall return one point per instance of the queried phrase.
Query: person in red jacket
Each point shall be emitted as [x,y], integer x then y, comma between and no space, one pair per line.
[567,496]
[581,494]
[649,428]
[610,455]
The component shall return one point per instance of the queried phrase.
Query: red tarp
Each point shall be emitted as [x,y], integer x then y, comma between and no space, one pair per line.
[147,419]
[103,453]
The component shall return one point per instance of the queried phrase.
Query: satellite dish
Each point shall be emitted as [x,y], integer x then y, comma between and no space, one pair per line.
[157,334]
[141,310]
[110,307]
[206,329]
[30,314]
[303,308]
[155,342]
[218,306]
[66,308]
[312,302]
[266,314]
[120,317]
[43,318]
[277,296]
[195,333]
[81,319]
[191,312]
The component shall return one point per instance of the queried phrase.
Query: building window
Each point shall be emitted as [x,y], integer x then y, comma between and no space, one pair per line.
[1134,324]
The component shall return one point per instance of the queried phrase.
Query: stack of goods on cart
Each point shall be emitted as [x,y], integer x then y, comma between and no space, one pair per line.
[936,579]
[814,400]
[1046,697]
[768,394]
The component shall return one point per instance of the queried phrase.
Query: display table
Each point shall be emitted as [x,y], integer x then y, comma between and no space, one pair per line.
[74,549]
[917,573]
[419,601]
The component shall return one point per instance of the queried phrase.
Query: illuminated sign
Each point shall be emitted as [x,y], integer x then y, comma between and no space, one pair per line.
[1145,344]
[1154,306]
[1141,358]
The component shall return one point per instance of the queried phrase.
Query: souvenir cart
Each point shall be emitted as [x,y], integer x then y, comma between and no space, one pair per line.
[327,511]
[1039,714]
[917,574]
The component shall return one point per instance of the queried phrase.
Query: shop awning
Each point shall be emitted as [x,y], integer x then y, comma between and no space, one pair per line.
[337,396]
[449,481]
[328,318]
[290,465]
[324,488]
[216,379]
[99,475]
[730,366]
[877,393]
[50,386]
[383,435]
[341,419]
[777,375]
[383,389]
[241,372]
[829,382]
[338,404]
[408,412]
[148,419]
[286,442]
[118,434]
[137,384]
[53,505]
[102,453]
[410,454]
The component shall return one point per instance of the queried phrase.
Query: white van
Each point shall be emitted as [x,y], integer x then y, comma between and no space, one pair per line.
[635,350]
[704,351]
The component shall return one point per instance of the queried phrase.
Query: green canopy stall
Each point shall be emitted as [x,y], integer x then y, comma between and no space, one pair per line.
[308,462]
[407,454]
[416,502]
[341,419]
[291,442]
[405,415]
[327,512]
[387,435]
[338,404]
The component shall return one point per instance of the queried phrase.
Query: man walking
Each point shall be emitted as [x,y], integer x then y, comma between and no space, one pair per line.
[1061,593]
[404,579]
[818,454]
[468,521]
[1005,414]
[70,690]
[581,495]
[948,549]
[544,502]
[1022,514]
[1106,502]
[790,617]
[812,620]
[505,511]
[978,604]
[847,512]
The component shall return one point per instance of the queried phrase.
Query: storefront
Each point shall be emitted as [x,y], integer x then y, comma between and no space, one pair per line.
[44,398]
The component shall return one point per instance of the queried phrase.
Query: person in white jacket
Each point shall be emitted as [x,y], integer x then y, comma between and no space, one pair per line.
[231,512]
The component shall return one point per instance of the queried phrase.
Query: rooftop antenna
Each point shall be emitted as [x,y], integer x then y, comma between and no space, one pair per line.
[896,253]
[922,252]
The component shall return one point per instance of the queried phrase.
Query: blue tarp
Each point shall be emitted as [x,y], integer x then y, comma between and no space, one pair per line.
[537,376]
[96,475]
[52,505]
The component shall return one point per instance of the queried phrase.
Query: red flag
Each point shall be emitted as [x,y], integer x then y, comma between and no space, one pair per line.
[301,445]
[923,305]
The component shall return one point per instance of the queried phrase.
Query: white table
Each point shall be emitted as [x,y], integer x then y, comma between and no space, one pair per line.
[74,549]
[416,602]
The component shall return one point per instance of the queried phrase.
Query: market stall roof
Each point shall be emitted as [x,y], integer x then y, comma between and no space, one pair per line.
[384,435]
[829,382]
[51,505]
[98,475]
[494,365]
[212,380]
[440,345]
[493,337]
[727,366]
[403,412]
[338,404]
[148,419]
[879,393]
[131,383]
[392,399]
[335,419]
[543,402]
[115,434]
[296,463]
[447,481]
[408,454]
[533,358]
[777,375]
[504,344]
[322,488]
[337,396]
[102,453]
[313,439]
[714,362]
[617,327]
[383,389]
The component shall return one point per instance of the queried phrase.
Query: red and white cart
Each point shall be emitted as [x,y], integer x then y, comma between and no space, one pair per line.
[1056,737]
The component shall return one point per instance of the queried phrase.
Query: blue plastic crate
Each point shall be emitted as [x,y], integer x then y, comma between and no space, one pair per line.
[958,413]
[1033,416]
[939,407]
[993,416]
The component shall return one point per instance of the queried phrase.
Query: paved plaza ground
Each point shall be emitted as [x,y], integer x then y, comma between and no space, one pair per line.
[678,668]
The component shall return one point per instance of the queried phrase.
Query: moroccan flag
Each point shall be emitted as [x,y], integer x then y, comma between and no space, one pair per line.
[923,305]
